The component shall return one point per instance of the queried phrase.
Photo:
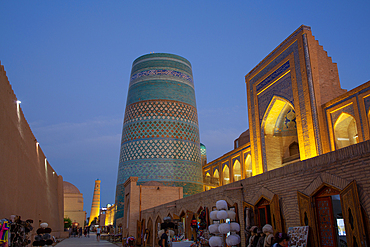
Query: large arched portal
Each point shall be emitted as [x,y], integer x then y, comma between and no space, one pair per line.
[279,130]
[345,131]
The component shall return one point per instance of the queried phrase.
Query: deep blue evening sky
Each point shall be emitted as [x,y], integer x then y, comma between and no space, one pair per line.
[69,63]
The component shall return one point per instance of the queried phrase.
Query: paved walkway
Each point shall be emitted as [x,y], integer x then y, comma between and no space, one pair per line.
[91,241]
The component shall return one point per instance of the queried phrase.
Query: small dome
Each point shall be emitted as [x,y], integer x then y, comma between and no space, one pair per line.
[70,188]
[245,135]
[203,149]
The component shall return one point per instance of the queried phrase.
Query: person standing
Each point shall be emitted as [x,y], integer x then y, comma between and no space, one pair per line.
[85,231]
[98,230]
[88,231]
[80,232]
[164,238]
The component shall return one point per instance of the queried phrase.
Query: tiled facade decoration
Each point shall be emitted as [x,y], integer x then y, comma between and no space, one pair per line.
[160,136]
[296,110]
[289,79]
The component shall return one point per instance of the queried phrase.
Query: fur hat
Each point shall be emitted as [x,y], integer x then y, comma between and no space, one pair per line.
[221,204]
[267,229]
[224,228]
[213,215]
[231,215]
[213,228]
[221,215]
[234,227]
[44,225]
[215,241]
[232,240]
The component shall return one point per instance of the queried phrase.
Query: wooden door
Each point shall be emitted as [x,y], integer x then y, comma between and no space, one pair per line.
[351,211]
[325,222]
[249,215]
[138,233]
[142,232]
[307,217]
[275,215]
[150,234]
[188,229]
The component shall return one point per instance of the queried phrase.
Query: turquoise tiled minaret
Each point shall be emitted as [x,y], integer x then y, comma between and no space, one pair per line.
[160,136]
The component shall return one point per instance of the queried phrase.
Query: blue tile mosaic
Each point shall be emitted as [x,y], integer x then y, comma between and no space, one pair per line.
[273,76]
[160,136]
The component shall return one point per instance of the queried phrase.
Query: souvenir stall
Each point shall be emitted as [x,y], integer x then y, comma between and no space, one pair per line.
[203,235]
[4,233]
[167,224]
[225,229]
[20,231]
[186,230]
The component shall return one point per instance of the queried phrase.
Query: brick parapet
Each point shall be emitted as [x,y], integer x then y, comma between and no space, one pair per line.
[336,168]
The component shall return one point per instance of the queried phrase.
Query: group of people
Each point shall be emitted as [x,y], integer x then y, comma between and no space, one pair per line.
[77,232]
[265,238]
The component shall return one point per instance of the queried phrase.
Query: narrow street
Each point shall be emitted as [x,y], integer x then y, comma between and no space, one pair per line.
[91,241]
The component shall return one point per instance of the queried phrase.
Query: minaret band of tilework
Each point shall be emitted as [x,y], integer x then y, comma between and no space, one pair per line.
[160,136]
[95,206]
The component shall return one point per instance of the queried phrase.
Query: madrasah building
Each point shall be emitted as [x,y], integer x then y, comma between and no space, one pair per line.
[306,154]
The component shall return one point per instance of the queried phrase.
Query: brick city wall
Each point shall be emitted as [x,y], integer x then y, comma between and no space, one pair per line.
[29,185]
[336,168]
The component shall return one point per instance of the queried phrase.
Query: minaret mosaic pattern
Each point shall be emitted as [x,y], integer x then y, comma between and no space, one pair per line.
[160,136]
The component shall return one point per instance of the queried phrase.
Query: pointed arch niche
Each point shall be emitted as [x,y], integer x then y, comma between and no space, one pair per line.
[279,134]
[345,131]
[248,166]
[149,233]
[225,174]
[237,170]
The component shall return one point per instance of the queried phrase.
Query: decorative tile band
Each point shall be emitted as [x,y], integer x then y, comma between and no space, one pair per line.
[161,109]
[161,90]
[160,170]
[161,74]
[159,149]
[160,129]
[274,75]
[160,63]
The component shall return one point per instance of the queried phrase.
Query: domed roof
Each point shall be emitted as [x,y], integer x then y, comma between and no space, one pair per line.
[245,134]
[203,149]
[70,188]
